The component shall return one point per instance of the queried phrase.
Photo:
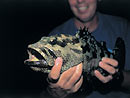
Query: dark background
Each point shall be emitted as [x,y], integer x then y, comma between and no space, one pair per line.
[25,21]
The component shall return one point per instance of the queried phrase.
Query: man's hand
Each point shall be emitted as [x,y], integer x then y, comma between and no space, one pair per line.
[108,65]
[61,85]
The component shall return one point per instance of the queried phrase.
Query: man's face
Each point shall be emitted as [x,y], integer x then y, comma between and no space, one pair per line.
[84,10]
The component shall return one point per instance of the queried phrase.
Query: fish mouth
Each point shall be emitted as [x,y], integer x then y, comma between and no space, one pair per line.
[36,59]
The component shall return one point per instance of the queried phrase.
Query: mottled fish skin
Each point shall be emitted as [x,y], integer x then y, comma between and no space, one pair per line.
[49,48]
[82,47]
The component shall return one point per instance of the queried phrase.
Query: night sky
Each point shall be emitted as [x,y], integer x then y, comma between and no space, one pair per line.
[25,21]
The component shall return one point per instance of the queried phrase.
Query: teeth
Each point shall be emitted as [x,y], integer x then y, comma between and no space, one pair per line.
[83,8]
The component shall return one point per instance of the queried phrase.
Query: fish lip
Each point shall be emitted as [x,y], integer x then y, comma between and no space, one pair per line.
[40,63]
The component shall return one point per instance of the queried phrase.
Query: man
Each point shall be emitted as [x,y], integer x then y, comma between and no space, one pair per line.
[104,28]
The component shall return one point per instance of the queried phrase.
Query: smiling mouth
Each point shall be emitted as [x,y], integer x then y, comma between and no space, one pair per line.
[83,8]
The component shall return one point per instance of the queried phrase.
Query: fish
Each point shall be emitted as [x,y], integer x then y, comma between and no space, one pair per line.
[80,48]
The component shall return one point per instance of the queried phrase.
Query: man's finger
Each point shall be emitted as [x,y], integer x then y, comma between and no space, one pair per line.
[55,71]
[65,76]
[107,67]
[110,61]
[101,77]
[76,76]
[78,85]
